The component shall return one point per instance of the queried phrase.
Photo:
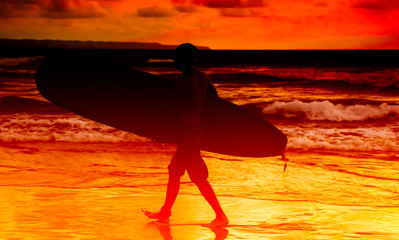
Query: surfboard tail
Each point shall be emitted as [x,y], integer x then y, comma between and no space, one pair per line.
[277,146]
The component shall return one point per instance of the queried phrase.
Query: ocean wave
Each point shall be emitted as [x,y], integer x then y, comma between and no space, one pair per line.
[312,76]
[352,139]
[13,104]
[325,110]
[18,61]
[76,129]
[31,127]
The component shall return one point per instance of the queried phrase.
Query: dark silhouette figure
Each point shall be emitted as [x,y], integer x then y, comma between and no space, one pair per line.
[194,87]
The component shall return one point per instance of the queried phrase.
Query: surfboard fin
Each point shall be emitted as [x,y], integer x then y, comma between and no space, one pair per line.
[285,161]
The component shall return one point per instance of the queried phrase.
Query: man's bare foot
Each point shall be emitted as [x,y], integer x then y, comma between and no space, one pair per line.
[219,221]
[161,216]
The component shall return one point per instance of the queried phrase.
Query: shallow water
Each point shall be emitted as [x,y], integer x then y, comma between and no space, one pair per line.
[96,191]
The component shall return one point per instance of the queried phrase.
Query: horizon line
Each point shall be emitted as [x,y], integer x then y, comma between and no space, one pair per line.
[199,46]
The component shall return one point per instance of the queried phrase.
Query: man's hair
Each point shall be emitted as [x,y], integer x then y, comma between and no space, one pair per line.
[188,52]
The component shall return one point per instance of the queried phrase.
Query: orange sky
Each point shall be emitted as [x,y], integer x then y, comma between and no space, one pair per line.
[219,24]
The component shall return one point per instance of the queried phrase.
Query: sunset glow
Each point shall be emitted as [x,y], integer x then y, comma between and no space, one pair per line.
[105,122]
[227,24]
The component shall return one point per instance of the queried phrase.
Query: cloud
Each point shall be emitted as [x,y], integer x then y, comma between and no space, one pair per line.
[73,9]
[376,4]
[321,4]
[19,8]
[51,8]
[155,11]
[186,8]
[227,8]
[242,12]
[224,3]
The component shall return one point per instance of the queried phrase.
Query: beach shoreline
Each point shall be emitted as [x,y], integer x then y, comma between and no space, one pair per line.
[96,191]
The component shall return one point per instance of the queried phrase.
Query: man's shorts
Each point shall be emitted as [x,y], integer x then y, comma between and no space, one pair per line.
[188,156]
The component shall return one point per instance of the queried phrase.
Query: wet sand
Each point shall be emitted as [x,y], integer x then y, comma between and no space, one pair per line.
[96,191]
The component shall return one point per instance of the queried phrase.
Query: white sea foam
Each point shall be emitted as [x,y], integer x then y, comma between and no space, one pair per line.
[71,129]
[363,139]
[325,110]
[24,127]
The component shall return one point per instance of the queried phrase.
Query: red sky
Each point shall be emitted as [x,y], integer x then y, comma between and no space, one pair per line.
[219,24]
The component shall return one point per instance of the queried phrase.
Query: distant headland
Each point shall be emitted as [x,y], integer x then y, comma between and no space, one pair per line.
[65,44]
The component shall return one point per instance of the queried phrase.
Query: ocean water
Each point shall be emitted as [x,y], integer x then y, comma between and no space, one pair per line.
[341,122]
[318,108]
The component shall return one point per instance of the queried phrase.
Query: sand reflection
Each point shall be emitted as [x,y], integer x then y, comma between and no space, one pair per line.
[221,233]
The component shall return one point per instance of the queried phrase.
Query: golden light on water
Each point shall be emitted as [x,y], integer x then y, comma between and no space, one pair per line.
[83,191]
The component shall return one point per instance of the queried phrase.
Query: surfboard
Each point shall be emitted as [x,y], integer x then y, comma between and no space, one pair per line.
[144,104]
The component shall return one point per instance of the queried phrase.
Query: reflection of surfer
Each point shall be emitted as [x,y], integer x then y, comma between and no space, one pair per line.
[194,88]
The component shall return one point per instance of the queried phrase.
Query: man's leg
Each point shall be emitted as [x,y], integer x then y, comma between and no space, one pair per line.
[198,172]
[209,194]
[171,193]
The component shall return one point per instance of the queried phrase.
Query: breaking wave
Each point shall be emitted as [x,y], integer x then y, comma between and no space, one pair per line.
[360,139]
[24,127]
[325,110]
[13,104]
[18,61]
[316,76]
[72,128]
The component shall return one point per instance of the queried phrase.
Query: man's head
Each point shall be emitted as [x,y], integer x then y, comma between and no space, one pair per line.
[186,56]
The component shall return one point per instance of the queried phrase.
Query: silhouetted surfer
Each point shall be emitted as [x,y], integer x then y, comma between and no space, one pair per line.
[195,85]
